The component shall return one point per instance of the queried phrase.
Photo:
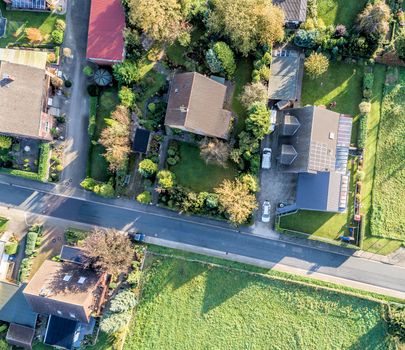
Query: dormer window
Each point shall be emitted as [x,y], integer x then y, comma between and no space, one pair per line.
[59,312]
[67,278]
[81,280]
[72,315]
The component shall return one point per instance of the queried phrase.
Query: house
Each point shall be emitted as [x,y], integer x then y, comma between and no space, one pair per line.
[71,295]
[286,74]
[37,5]
[24,84]
[314,143]
[105,41]
[196,104]
[295,11]
[15,310]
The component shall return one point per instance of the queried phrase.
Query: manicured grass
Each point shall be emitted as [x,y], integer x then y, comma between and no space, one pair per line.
[18,21]
[342,83]
[151,83]
[190,305]
[370,243]
[388,208]
[3,224]
[98,165]
[192,172]
[340,11]
[243,75]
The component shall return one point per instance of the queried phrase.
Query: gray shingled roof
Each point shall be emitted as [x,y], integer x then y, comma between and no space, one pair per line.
[20,336]
[288,154]
[290,125]
[295,10]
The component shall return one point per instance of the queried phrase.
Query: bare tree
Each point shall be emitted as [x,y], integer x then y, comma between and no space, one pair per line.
[109,251]
[214,151]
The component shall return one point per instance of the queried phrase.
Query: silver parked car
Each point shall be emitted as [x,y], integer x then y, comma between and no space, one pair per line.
[266,158]
[266,211]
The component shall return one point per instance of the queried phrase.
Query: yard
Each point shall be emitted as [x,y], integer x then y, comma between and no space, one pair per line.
[193,305]
[192,172]
[340,11]
[98,166]
[342,83]
[18,21]
[388,210]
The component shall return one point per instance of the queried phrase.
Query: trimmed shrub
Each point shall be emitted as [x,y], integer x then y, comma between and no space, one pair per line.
[11,248]
[88,71]
[30,244]
[123,301]
[126,72]
[57,36]
[88,183]
[213,61]
[226,57]
[68,83]
[93,90]
[60,25]
[126,96]
[73,236]
[167,179]
[171,161]
[91,129]
[104,189]
[365,107]
[362,133]
[5,142]
[43,165]
[144,197]
[147,168]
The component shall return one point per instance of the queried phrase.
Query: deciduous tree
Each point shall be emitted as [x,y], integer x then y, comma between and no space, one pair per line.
[236,200]
[34,35]
[258,120]
[252,93]
[316,64]
[109,251]
[247,23]
[214,151]
[374,19]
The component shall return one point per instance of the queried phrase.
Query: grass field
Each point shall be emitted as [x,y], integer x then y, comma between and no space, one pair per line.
[190,305]
[342,83]
[18,21]
[340,11]
[98,165]
[192,172]
[388,210]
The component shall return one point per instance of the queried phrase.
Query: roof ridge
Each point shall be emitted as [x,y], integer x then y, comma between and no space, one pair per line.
[189,98]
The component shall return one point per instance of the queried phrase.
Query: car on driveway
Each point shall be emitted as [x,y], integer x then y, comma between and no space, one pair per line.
[137,237]
[266,211]
[266,158]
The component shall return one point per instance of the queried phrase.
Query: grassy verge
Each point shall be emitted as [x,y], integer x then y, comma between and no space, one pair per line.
[18,21]
[339,11]
[3,224]
[388,210]
[343,84]
[189,304]
[243,75]
[192,172]
[98,166]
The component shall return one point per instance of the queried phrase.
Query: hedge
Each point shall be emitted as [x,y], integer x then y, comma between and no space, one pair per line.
[30,244]
[11,248]
[92,116]
[362,133]
[25,269]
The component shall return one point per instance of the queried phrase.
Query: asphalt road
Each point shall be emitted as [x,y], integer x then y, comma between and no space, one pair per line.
[173,227]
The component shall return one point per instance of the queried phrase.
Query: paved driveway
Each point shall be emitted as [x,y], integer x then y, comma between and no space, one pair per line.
[275,186]
[77,110]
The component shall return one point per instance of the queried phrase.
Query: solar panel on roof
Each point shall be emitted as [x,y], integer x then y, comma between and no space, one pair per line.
[30,4]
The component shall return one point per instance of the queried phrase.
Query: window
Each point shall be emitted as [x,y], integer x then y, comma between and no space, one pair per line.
[67,278]
[81,280]
[72,315]
[59,312]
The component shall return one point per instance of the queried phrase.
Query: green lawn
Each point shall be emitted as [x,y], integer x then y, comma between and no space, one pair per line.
[342,83]
[98,169]
[190,305]
[192,172]
[18,21]
[243,75]
[340,11]
[3,224]
[388,208]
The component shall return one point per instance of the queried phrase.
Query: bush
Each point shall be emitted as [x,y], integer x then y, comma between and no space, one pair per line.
[134,278]
[167,179]
[396,322]
[60,25]
[11,248]
[226,57]
[5,142]
[51,57]
[126,72]
[126,96]
[57,36]
[123,301]
[113,322]
[25,269]
[30,244]
[91,129]
[68,83]
[316,65]
[104,189]
[152,107]
[251,182]
[365,107]
[211,201]
[88,183]
[171,161]
[93,90]
[144,197]
[306,38]
[147,168]
[73,236]
[400,44]
[88,71]
[362,133]
[213,62]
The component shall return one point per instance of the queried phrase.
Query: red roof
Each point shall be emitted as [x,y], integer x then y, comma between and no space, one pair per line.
[105,43]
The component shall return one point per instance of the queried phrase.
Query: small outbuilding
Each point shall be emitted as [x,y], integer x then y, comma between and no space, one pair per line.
[20,336]
[141,140]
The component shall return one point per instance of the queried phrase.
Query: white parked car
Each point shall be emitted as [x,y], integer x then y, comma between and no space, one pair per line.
[266,158]
[266,211]
[273,119]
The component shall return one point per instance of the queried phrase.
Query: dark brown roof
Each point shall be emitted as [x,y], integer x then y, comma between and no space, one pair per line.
[65,290]
[295,10]
[21,336]
[196,105]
